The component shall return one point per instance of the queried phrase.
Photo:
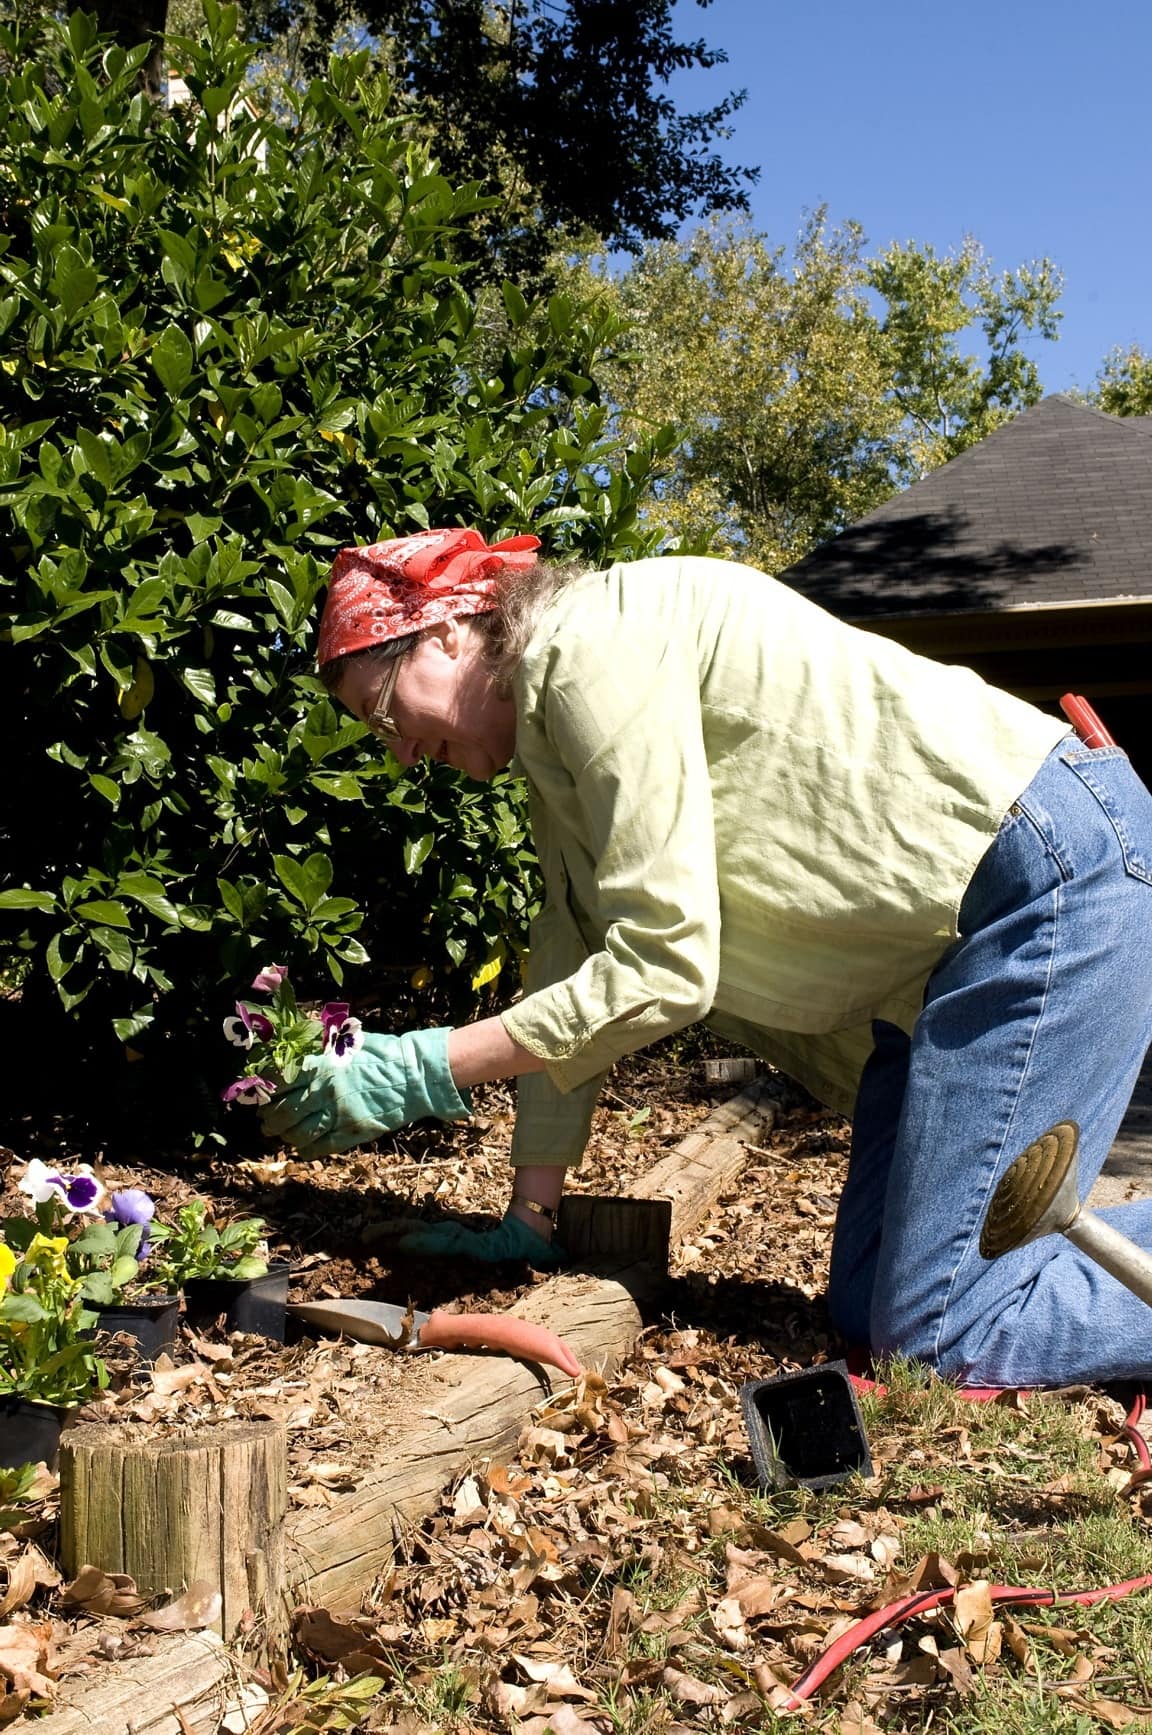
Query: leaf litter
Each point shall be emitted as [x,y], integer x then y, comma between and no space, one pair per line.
[620,1571]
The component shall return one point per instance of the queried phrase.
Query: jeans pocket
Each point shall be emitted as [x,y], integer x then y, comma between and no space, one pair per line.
[1107,773]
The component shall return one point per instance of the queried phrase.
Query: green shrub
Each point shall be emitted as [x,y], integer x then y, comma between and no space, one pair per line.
[229,345]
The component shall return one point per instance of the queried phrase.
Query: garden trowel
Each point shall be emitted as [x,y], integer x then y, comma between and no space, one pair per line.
[404,1329]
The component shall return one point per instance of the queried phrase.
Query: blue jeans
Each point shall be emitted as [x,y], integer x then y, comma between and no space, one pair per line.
[1041,1011]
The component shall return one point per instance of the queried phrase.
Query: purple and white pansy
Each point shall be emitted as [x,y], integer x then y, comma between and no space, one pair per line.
[248,1026]
[79,1191]
[250,1092]
[342,1035]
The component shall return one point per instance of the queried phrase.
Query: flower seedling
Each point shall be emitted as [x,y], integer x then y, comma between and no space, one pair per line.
[20,1488]
[194,1247]
[278,1037]
[46,1354]
[108,1236]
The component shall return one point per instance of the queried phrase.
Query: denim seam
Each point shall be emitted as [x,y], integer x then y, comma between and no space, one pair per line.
[1045,830]
[1008,1120]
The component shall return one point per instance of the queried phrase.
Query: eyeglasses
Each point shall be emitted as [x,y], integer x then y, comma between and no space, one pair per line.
[378,720]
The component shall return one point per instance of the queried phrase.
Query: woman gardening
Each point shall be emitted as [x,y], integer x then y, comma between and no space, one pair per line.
[922,897]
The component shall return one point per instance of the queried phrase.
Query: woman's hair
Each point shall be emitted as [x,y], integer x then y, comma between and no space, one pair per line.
[521,598]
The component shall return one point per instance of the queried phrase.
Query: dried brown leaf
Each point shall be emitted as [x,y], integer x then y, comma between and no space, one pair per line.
[728,1621]
[622,1615]
[556,1676]
[102,1593]
[975,1622]
[690,1691]
[26,1659]
[21,1584]
[1112,1713]
[561,1720]
[756,1595]
[855,1720]
[783,1543]
[1016,1639]
[198,1607]
[12,1705]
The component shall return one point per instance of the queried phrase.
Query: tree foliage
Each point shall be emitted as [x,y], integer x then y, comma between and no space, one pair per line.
[561,107]
[1124,384]
[812,385]
[229,346]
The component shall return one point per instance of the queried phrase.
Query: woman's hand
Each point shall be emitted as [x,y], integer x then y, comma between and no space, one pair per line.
[511,1239]
[336,1103]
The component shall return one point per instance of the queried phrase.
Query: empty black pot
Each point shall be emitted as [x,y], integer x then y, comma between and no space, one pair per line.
[256,1306]
[29,1432]
[806,1428]
[151,1320]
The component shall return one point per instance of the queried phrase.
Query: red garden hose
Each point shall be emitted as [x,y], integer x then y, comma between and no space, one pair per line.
[1021,1596]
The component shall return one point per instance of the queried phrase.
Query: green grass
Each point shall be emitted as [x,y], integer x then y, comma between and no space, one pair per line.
[1015,1496]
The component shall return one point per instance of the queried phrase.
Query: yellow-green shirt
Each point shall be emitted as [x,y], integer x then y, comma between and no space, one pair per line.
[745,811]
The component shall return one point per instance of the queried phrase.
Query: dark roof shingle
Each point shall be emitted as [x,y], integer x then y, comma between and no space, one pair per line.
[1054,507]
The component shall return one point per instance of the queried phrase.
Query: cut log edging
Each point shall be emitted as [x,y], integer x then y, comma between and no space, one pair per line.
[332,1554]
[182,1688]
[172,1511]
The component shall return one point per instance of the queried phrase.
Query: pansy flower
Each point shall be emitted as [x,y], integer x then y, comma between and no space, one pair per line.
[270,978]
[247,1027]
[250,1092]
[342,1035]
[131,1205]
[79,1192]
[8,1263]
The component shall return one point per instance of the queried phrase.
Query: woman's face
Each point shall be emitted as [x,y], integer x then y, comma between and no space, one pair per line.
[445,705]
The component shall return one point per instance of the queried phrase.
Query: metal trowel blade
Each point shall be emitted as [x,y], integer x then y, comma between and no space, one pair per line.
[381,1322]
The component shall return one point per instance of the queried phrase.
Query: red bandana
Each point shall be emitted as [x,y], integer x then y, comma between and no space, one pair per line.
[399,587]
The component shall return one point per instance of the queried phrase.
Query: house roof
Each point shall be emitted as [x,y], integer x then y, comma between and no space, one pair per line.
[1053,509]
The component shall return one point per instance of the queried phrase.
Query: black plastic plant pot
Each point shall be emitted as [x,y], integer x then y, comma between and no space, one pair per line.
[805,1429]
[151,1320]
[256,1306]
[29,1432]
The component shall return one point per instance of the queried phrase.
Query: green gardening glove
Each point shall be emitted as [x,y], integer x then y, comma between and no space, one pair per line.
[511,1240]
[338,1102]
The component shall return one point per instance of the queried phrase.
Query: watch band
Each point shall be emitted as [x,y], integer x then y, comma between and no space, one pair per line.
[532,1205]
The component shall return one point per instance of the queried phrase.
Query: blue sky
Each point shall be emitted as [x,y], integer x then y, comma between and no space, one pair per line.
[1026,125]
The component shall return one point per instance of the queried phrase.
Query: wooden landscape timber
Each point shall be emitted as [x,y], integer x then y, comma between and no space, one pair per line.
[334,1553]
[701,1167]
[331,1555]
[183,1687]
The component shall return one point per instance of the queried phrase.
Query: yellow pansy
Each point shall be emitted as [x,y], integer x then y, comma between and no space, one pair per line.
[7,1266]
[46,1253]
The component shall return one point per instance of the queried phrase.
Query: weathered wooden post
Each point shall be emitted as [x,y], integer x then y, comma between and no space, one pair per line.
[206,1507]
